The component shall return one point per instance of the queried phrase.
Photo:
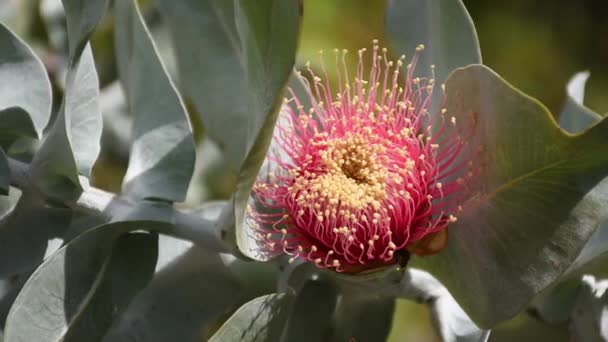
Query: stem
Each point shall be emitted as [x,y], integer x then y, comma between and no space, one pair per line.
[112,207]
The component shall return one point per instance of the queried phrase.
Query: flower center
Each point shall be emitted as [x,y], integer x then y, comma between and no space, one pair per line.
[352,177]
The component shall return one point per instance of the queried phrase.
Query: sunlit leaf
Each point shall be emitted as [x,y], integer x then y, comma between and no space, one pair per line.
[72,145]
[450,321]
[575,117]
[25,89]
[162,155]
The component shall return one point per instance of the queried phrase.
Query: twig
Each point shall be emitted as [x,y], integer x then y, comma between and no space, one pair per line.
[112,207]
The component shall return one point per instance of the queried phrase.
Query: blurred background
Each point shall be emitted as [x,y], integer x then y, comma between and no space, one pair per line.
[535,45]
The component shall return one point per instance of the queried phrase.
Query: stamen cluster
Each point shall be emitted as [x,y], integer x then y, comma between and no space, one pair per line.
[362,176]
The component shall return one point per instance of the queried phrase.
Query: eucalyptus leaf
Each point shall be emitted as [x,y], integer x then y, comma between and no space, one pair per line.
[74,295]
[443,26]
[72,145]
[184,300]
[268,32]
[302,316]
[363,317]
[537,197]
[211,72]
[575,117]
[556,303]
[25,233]
[162,155]
[25,89]
[450,321]
[82,17]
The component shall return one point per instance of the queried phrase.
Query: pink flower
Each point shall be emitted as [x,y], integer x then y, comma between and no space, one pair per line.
[363,178]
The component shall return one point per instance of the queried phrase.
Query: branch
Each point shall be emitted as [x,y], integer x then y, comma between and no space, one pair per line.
[189,226]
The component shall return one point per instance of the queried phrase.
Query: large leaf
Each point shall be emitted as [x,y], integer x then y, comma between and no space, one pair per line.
[535,199]
[162,155]
[75,294]
[269,33]
[25,89]
[211,71]
[443,26]
[555,304]
[82,16]
[72,145]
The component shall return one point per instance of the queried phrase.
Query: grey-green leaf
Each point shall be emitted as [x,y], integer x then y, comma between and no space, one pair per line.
[261,319]
[534,203]
[182,302]
[555,304]
[211,72]
[72,145]
[451,322]
[82,16]
[162,155]
[74,294]
[25,89]
[575,117]
[443,26]
[268,32]
[302,316]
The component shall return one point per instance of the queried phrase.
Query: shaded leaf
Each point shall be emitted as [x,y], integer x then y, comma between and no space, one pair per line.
[25,233]
[444,27]
[184,300]
[25,89]
[82,16]
[538,196]
[302,316]
[162,155]
[75,293]
[5,174]
[72,145]
[363,317]
[575,117]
